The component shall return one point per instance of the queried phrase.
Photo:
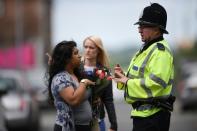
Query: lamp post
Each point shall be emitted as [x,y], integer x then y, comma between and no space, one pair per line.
[18,31]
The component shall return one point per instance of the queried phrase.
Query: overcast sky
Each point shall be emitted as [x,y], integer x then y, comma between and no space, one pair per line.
[113,20]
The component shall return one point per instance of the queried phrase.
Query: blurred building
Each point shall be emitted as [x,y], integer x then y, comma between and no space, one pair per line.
[23,23]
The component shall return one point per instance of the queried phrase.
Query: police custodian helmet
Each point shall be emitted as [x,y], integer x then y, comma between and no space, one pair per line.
[154,15]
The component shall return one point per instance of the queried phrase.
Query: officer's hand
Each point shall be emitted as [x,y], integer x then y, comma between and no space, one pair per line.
[119,77]
[117,68]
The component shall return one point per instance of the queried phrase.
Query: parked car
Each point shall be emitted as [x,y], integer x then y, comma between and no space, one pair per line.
[187,87]
[2,120]
[21,108]
[37,81]
[188,95]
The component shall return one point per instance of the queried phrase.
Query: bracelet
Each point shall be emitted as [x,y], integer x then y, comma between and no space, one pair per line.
[85,83]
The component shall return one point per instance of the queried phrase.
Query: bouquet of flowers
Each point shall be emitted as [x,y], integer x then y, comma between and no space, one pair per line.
[102,77]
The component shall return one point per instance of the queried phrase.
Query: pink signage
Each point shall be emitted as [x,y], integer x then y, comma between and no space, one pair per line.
[21,57]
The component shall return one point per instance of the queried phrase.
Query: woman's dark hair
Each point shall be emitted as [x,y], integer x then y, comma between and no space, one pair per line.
[61,56]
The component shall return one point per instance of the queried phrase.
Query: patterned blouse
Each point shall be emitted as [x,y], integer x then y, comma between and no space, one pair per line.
[64,116]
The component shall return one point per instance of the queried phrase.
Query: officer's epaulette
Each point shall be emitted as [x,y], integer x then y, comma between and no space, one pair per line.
[160,46]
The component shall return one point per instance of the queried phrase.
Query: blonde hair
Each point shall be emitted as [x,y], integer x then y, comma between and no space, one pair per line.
[102,57]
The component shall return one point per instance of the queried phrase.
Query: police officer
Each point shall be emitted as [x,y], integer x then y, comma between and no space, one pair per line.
[148,82]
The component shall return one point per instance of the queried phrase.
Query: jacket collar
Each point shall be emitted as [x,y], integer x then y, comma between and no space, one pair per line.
[146,45]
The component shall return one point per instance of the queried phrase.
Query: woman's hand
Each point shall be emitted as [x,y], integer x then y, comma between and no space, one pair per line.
[111,129]
[49,58]
[87,82]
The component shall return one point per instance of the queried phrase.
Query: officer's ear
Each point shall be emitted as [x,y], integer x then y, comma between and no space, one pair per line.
[157,30]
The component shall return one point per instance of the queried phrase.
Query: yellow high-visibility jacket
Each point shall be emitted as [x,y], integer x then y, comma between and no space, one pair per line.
[151,75]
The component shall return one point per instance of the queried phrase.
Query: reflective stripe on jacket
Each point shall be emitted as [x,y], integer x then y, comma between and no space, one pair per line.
[151,75]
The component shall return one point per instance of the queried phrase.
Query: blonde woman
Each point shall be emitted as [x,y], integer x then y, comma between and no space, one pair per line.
[95,56]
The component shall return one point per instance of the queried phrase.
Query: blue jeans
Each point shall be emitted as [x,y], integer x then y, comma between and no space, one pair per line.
[102,125]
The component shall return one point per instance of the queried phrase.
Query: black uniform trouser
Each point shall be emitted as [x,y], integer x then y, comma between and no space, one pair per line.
[77,128]
[157,122]
[83,127]
[57,128]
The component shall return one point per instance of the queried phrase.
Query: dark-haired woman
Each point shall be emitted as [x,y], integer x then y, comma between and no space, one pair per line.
[67,90]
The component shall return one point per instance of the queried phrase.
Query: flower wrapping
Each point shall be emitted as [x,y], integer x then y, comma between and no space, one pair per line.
[102,77]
